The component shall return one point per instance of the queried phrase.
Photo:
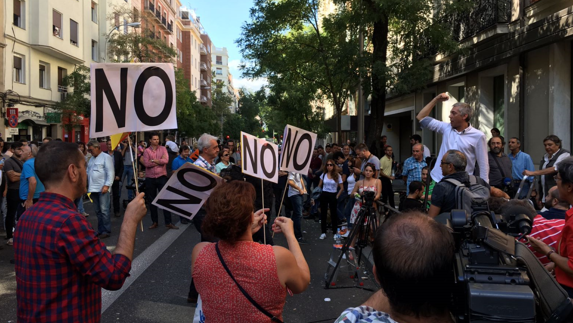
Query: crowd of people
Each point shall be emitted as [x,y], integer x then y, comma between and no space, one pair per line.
[59,256]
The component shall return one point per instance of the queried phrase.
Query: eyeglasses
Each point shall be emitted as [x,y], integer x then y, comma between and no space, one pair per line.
[226,155]
[331,165]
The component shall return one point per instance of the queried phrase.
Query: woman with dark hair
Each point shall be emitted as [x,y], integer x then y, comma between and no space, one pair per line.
[264,273]
[224,162]
[368,184]
[331,183]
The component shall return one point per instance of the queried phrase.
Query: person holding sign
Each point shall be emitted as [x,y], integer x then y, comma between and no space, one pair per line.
[264,273]
[155,159]
[330,182]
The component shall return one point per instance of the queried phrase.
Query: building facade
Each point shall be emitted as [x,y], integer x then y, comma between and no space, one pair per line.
[206,76]
[220,68]
[190,30]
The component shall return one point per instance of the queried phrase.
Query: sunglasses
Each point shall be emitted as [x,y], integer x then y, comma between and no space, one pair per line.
[329,165]
[226,155]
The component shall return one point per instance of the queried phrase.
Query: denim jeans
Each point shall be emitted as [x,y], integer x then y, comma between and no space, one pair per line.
[127,178]
[102,203]
[80,203]
[296,201]
[348,209]
[152,187]
[341,204]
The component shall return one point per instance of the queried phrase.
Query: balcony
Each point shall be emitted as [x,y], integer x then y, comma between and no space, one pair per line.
[63,92]
[486,14]
[203,66]
[170,28]
[158,16]
[203,50]
[164,21]
[149,6]
[203,99]
[203,83]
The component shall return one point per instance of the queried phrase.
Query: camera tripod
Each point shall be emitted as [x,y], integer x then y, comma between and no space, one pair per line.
[364,227]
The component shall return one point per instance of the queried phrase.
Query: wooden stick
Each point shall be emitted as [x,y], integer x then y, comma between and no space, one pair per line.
[282,199]
[264,224]
[135,174]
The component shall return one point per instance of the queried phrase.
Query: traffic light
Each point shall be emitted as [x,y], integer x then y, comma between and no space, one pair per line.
[228,137]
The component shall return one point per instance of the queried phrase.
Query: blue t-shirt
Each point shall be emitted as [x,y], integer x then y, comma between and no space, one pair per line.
[179,161]
[29,171]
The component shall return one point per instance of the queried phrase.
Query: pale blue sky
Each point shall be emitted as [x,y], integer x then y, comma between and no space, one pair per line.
[222,20]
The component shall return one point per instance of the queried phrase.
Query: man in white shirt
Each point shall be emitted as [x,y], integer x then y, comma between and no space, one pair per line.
[459,135]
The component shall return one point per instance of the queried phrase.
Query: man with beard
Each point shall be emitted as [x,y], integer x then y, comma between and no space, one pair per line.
[500,167]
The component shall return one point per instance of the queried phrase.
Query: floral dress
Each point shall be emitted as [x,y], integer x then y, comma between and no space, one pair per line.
[358,203]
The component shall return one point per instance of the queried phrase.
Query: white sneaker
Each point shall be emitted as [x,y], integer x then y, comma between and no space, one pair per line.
[323,236]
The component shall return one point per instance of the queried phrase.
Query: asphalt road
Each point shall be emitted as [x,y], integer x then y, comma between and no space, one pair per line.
[160,277]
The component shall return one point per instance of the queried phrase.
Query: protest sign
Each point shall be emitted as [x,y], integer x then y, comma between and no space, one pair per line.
[259,158]
[187,190]
[132,97]
[297,150]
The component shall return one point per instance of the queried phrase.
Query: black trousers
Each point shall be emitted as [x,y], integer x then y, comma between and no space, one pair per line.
[12,201]
[116,196]
[152,187]
[328,201]
[387,191]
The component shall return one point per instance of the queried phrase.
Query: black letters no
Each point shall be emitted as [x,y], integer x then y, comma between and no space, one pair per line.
[138,96]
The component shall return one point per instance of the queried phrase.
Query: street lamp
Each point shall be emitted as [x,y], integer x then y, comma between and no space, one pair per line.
[131,24]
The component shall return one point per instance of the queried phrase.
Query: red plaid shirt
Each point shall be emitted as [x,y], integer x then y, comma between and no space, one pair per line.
[61,265]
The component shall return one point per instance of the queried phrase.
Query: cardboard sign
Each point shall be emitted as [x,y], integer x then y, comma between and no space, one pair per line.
[187,190]
[132,97]
[297,150]
[259,158]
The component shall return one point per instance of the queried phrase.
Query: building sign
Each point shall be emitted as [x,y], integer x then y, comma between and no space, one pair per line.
[12,131]
[12,116]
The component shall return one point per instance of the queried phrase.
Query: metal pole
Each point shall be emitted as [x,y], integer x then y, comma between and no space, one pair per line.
[360,136]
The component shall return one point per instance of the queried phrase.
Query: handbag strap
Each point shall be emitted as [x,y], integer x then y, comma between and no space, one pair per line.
[498,166]
[249,298]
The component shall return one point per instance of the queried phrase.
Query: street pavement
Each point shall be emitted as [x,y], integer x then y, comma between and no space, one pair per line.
[157,289]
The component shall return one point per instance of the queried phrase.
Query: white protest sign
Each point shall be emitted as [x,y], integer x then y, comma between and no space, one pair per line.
[260,158]
[297,148]
[187,190]
[132,97]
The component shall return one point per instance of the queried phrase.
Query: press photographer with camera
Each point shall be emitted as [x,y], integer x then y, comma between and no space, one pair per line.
[413,257]
[563,256]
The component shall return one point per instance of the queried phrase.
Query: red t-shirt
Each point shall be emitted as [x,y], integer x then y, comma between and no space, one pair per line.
[549,232]
[565,249]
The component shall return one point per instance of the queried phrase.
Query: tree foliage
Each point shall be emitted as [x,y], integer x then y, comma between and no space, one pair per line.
[289,43]
[76,103]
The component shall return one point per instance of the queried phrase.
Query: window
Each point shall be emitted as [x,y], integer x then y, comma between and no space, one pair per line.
[124,26]
[219,60]
[94,12]
[19,9]
[499,102]
[116,19]
[18,69]
[44,75]
[62,73]
[219,71]
[57,24]
[135,15]
[94,50]
[73,33]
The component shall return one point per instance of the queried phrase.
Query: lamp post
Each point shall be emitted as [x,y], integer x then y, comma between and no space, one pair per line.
[131,24]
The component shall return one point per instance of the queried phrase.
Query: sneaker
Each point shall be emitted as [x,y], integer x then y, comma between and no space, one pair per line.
[323,236]
[85,214]
[343,223]
[10,242]
[345,234]
[302,241]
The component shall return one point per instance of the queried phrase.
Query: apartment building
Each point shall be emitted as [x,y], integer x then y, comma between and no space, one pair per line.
[189,31]
[48,39]
[206,75]
[2,59]
[220,66]
[158,19]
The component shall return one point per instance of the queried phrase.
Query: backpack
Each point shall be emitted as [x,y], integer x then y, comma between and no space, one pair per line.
[466,196]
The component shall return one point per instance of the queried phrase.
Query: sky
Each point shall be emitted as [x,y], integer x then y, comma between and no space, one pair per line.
[223,19]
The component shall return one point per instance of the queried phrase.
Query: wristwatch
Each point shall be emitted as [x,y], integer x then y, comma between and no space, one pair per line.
[549,254]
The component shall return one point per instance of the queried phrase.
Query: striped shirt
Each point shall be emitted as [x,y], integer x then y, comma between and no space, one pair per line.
[549,232]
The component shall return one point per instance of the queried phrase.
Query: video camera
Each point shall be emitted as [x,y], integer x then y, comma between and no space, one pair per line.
[498,279]
[368,199]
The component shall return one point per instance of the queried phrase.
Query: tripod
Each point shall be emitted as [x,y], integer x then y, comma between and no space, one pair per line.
[364,226]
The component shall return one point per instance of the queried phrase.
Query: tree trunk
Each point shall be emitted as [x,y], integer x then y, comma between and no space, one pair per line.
[378,104]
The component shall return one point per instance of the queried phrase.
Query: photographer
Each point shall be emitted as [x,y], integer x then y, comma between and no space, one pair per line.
[563,256]
[413,256]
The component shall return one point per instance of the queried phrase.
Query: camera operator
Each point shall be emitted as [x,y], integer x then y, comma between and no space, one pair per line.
[453,167]
[563,256]
[413,260]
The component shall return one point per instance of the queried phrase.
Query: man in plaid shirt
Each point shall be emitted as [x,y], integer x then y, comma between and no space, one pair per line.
[61,265]
[412,170]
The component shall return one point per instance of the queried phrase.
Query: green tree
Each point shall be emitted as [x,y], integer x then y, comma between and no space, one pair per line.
[142,45]
[288,40]
[401,40]
[221,102]
[76,103]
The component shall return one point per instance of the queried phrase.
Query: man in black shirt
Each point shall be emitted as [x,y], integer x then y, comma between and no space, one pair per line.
[13,169]
[118,167]
[500,166]
[412,201]
[555,206]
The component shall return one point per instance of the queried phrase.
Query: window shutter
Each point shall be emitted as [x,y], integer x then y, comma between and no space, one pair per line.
[17,62]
